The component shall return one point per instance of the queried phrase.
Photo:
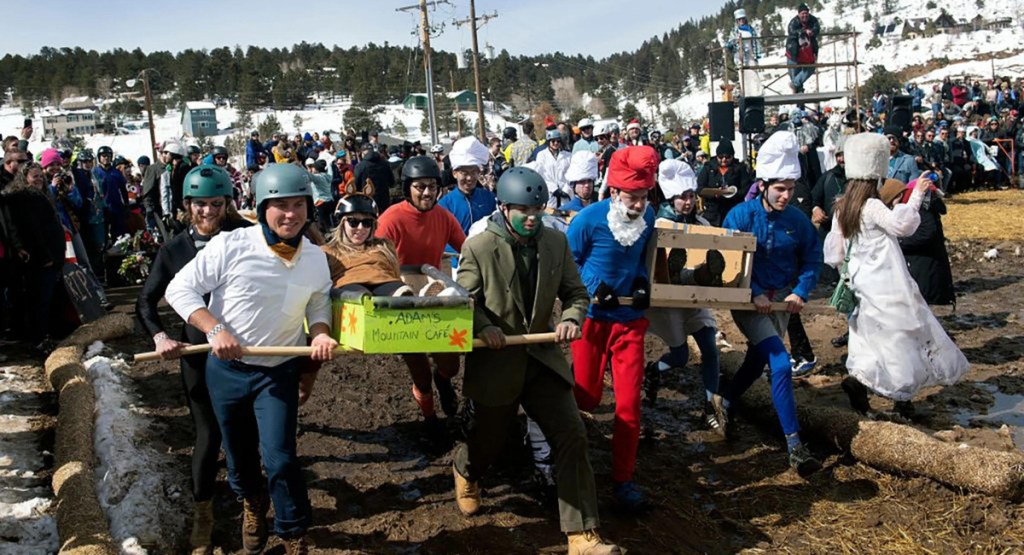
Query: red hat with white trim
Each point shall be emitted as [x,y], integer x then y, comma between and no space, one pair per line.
[633,168]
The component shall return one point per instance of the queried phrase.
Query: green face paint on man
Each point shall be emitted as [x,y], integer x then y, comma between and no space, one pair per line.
[526,223]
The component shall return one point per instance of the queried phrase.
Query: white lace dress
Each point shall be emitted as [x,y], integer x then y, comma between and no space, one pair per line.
[897,346]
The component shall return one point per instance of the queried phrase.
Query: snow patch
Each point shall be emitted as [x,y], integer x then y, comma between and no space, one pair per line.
[25,523]
[136,486]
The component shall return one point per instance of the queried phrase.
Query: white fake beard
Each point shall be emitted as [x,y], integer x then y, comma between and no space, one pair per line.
[625,230]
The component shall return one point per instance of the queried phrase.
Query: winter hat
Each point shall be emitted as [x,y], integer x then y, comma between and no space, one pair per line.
[893,130]
[310,162]
[634,124]
[676,177]
[582,165]
[867,156]
[891,191]
[307,137]
[739,14]
[468,151]
[725,147]
[49,156]
[802,8]
[779,158]
[633,168]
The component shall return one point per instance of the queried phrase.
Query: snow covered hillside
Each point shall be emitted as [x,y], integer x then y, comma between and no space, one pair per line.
[896,51]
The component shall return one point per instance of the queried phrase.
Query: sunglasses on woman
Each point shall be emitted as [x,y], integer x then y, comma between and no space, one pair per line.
[356,222]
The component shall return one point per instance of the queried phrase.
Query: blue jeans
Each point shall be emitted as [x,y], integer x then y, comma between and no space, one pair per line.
[238,391]
[770,352]
[799,75]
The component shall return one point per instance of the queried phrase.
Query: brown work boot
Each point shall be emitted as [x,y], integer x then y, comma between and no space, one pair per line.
[202,528]
[254,523]
[467,494]
[296,546]
[590,543]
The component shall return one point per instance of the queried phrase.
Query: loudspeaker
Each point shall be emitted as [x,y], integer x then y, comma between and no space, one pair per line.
[900,113]
[752,114]
[722,121]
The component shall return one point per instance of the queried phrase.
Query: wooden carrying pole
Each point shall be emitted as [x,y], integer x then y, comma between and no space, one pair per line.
[511,340]
[723,305]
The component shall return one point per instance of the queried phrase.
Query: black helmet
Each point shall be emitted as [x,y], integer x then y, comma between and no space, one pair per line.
[355,203]
[121,160]
[419,167]
[522,186]
[193,149]
[85,155]
[144,161]
[218,151]
[105,151]
[510,133]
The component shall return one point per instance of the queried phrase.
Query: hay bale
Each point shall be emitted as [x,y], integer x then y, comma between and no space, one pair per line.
[81,522]
[905,450]
[82,526]
[64,365]
[891,447]
[108,327]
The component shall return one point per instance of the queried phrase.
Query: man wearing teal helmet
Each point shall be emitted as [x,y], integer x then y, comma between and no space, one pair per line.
[262,282]
[206,192]
[500,267]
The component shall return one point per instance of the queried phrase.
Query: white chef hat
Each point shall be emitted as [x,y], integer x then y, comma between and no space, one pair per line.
[676,177]
[867,156]
[582,165]
[468,151]
[779,157]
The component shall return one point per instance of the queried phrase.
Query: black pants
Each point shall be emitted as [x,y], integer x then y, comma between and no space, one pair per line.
[799,343]
[206,449]
[32,301]
[324,217]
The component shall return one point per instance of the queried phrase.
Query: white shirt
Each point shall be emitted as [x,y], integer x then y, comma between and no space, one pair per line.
[258,296]
[553,171]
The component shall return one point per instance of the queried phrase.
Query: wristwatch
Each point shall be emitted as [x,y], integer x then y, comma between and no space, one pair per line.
[214,331]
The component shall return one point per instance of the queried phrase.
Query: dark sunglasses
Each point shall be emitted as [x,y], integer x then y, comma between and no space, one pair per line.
[356,222]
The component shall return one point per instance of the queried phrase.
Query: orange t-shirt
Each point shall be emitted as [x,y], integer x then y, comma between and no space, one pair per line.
[420,237]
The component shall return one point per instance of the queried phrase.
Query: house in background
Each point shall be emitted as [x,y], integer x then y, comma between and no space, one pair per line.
[61,124]
[77,103]
[461,100]
[199,119]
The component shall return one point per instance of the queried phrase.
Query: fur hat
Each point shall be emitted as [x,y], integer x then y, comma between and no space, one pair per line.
[867,156]
[633,168]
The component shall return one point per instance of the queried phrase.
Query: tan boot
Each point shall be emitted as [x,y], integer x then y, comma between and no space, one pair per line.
[467,494]
[202,528]
[296,546]
[589,543]
[254,523]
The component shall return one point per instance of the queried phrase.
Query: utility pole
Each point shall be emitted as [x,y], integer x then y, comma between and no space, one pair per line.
[428,68]
[472,21]
[455,108]
[149,111]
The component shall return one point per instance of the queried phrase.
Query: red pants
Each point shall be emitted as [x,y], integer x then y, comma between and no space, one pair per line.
[624,344]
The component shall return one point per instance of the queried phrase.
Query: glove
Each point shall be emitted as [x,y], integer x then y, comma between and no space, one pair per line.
[641,294]
[606,297]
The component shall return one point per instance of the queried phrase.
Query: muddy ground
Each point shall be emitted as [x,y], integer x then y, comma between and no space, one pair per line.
[376,488]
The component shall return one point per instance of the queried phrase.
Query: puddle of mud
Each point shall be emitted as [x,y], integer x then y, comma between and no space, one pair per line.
[1005,409]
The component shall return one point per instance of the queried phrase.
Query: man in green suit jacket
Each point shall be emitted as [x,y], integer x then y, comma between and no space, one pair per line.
[515,270]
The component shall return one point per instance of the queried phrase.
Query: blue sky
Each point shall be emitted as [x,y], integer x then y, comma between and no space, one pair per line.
[595,27]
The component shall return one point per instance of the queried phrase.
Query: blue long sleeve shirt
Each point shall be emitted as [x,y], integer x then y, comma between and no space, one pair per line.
[788,248]
[467,210]
[602,259]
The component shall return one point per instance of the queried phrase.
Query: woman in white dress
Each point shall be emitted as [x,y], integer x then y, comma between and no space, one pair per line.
[897,346]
